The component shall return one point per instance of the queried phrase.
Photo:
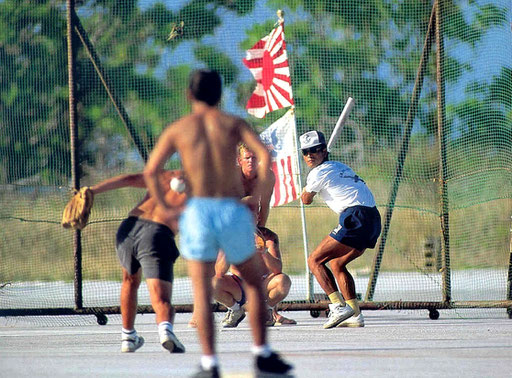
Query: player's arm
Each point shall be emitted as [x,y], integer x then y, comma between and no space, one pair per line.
[135,180]
[271,254]
[273,263]
[307,197]
[157,159]
[265,200]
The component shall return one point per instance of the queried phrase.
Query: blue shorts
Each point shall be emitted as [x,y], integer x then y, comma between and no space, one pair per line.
[359,227]
[210,224]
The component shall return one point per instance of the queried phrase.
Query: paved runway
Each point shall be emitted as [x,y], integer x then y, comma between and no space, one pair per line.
[406,343]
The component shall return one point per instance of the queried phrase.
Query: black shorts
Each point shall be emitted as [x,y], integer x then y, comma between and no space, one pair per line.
[239,281]
[359,227]
[150,245]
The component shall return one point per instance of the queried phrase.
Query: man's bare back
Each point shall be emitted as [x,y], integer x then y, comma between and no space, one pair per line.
[207,143]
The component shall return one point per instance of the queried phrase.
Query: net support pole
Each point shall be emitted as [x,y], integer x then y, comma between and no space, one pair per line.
[309,275]
[443,169]
[73,135]
[402,154]
[91,52]
[509,277]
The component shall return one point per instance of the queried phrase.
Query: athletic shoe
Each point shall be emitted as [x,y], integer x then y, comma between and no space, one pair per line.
[353,321]
[170,342]
[233,318]
[210,373]
[270,318]
[130,344]
[272,364]
[337,314]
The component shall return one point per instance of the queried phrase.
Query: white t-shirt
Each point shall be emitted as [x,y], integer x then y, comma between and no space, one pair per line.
[339,186]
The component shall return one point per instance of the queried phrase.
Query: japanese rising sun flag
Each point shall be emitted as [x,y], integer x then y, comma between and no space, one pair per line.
[280,140]
[268,62]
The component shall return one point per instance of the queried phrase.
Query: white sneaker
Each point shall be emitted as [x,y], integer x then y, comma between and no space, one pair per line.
[353,321]
[131,344]
[337,314]
[233,318]
[170,342]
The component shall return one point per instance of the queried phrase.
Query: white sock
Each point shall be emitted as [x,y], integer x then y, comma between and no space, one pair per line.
[208,362]
[128,333]
[235,307]
[164,326]
[261,350]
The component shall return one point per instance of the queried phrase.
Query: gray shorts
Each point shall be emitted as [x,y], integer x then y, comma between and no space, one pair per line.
[150,245]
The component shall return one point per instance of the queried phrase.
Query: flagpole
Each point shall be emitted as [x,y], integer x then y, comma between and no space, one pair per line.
[309,276]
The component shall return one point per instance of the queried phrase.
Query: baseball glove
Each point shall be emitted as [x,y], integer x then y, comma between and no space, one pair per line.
[259,240]
[76,213]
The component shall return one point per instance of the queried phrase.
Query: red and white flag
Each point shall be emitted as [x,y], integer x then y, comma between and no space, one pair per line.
[268,62]
[281,142]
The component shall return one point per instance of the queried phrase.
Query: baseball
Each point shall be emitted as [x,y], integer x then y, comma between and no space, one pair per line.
[178,185]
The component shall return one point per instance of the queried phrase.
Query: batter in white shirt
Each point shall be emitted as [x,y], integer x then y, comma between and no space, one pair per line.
[358,228]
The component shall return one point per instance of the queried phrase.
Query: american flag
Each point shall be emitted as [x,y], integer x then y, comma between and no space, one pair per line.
[280,140]
[268,62]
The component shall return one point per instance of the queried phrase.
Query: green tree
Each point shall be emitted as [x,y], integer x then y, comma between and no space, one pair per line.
[33,92]
[131,43]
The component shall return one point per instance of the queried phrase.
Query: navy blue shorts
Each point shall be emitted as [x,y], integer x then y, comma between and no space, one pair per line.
[359,227]
[150,245]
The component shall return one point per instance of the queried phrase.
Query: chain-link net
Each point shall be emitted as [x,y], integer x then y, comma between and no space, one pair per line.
[368,50]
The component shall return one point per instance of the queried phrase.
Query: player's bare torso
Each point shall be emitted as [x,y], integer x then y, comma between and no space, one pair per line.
[148,209]
[207,143]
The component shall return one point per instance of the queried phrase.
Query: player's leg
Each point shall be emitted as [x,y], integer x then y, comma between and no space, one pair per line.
[157,252]
[327,250]
[347,287]
[160,292]
[130,341]
[251,272]
[278,286]
[323,253]
[267,361]
[238,246]
[132,274]
[129,288]
[201,274]
[228,290]
[343,277]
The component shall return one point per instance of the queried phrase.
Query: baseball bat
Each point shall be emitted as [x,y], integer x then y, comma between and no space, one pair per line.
[341,121]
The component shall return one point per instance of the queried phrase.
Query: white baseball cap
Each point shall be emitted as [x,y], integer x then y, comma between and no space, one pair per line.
[312,139]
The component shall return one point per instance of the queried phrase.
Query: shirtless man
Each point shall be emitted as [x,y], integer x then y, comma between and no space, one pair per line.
[145,243]
[228,288]
[214,217]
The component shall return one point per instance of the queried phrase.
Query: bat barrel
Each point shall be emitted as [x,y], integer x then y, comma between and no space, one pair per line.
[341,122]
